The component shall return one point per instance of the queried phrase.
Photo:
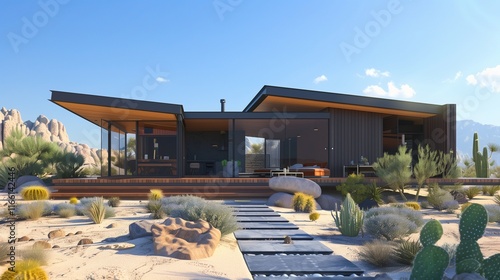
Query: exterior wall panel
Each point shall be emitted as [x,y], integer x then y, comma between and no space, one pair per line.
[355,134]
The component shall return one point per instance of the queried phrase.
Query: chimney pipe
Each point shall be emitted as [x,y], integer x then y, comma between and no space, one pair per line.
[222,105]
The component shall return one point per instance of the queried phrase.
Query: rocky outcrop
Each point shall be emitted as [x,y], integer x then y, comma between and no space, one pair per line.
[50,130]
[180,239]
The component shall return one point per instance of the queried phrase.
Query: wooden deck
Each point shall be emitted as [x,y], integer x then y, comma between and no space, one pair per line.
[207,187]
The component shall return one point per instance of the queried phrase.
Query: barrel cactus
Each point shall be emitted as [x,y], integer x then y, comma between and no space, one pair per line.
[27,269]
[431,261]
[35,193]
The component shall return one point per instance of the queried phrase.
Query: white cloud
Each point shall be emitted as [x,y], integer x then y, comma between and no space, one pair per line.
[488,78]
[458,75]
[471,80]
[162,80]
[372,72]
[392,90]
[320,79]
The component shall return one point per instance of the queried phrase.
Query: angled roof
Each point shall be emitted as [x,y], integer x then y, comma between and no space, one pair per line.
[95,108]
[272,98]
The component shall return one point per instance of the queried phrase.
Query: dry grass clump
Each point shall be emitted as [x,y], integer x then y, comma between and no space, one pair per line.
[472,192]
[65,210]
[490,190]
[37,254]
[377,252]
[33,210]
[114,201]
[406,251]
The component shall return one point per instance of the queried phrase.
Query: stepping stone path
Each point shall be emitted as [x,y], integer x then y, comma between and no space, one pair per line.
[261,241]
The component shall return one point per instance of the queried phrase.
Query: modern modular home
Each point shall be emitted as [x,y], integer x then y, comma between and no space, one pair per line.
[308,133]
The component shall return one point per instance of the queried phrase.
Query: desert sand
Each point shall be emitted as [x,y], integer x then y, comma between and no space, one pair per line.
[72,261]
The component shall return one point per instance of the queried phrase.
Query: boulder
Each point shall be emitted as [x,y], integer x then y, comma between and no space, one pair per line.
[42,244]
[56,233]
[281,199]
[85,241]
[329,202]
[140,229]
[28,181]
[23,238]
[292,184]
[180,239]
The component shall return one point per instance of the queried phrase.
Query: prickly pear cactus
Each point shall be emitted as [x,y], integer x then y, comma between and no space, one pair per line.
[431,261]
[491,267]
[431,233]
[473,222]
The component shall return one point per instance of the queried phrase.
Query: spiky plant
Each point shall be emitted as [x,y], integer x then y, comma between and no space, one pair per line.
[490,190]
[349,220]
[27,269]
[114,201]
[406,251]
[155,194]
[95,209]
[35,193]
[472,192]
[314,216]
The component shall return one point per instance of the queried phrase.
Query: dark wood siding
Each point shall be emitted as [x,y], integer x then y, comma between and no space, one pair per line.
[355,134]
[440,130]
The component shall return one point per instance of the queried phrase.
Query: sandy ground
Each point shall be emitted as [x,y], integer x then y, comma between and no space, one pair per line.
[93,262]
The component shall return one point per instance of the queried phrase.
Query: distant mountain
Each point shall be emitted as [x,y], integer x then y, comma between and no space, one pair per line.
[487,134]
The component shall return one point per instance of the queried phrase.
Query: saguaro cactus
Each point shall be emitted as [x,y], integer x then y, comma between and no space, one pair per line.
[480,159]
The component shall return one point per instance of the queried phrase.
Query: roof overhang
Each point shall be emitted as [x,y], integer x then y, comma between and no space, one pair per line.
[272,98]
[119,111]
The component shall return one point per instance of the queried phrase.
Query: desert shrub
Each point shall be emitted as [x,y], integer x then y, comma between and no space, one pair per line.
[94,208]
[73,200]
[394,169]
[490,190]
[472,192]
[4,251]
[65,210]
[35,253]
[451,249]
[70,165]
[406,251]
[391,222]
[35,193]
[114,201]
[425,204]
[493,212]
[33,210]
[377,252]
[412,204]
[155,207]
[496,199]
[354,186]
[109,212]
[155,194]
[303,202]
[451,205]
[26,269]
[193,208]
[314,216]
[438,197]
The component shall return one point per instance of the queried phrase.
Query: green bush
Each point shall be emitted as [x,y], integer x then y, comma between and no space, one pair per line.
[472,192]
[391,222]
[65,210]
[33,210]
[354,186]
[490,190]
[35,193]
[406,251]
[114,201]
[94,208]
[192,208]
[70,165]
[438,197]
[155,207]
[377,252]
[394,169]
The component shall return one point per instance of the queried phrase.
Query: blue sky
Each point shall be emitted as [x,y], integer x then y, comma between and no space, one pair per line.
[196,52]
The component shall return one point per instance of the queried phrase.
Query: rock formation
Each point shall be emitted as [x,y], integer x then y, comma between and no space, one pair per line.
[177,238]
[49,130]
